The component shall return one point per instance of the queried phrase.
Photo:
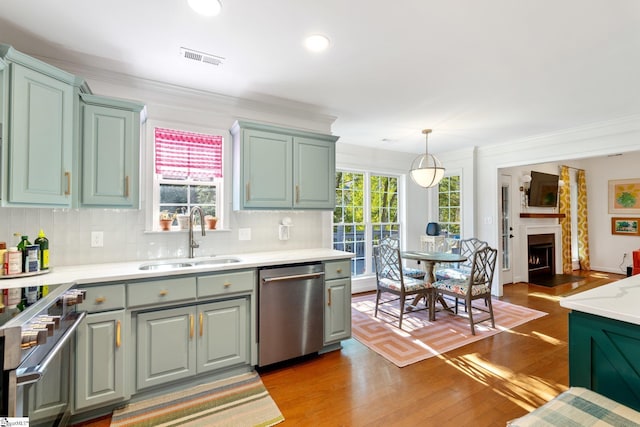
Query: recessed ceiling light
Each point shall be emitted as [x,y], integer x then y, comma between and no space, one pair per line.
[316,43]
[206,7]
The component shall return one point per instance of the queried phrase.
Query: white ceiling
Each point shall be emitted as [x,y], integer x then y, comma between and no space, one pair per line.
[476,71]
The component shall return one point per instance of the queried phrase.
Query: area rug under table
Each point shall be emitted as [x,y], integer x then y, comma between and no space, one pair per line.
[420,338]
[237,401]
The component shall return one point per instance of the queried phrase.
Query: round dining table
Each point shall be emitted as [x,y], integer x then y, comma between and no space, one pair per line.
[430,259]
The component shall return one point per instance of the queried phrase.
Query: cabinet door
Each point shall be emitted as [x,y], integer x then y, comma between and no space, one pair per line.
[100,376]
[314,170]
[40,139]
[166,346]
[223,335]
[110,157]
[266,170]
[337,310]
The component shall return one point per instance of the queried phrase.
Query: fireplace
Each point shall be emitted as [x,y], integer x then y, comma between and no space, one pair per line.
[541,255]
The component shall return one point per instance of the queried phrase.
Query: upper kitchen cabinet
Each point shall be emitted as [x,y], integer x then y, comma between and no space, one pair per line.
[281,168]
[110,152]
[38,130]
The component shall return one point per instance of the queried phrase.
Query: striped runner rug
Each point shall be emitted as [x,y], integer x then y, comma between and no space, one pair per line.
[420,338]
[238,401]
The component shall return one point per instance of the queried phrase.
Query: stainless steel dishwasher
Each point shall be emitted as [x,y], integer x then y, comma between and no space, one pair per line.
[290,312]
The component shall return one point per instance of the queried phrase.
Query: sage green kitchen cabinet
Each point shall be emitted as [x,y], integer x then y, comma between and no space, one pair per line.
[166,346]
[223,334]
[100,359]
[110,147]
[210,337]
[40,137]
[337,302]
[281,168]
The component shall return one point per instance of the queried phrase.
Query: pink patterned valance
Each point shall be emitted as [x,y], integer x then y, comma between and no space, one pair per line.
[181,154]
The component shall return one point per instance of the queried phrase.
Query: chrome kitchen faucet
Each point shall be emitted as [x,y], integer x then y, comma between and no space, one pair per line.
[192,242]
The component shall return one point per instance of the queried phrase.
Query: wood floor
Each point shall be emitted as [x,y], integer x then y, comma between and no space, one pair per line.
[485,383]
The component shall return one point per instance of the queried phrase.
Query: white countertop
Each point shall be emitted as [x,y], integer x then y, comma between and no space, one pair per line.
[123,271]
[618,300]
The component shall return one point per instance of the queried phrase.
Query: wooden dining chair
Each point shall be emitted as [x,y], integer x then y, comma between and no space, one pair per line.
[415,273]
[467,248]
[477,285]
[391,280]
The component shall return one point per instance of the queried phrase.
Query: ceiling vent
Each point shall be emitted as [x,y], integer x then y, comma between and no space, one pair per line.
[206,58]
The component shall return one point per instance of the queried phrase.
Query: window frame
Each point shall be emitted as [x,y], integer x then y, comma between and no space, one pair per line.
[443,225]
[367,215]
[152,181]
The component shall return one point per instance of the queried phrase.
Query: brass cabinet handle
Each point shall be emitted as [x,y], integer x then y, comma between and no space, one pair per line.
[100,300]
[126,186]
[329,295]
[68,176]
[248,191]
[201,323]
[164,293]
[297,193]
[339,270]
[191,326]
[118,327]
[227,285]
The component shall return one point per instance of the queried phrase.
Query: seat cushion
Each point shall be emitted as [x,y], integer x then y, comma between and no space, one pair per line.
[460,273]
[410,284]
[459,286]
[415,273]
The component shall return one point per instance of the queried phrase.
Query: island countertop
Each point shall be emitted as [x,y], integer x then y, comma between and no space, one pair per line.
[617,300]
[130,270]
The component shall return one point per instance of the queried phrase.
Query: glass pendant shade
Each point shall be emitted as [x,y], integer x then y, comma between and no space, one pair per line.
[426,170]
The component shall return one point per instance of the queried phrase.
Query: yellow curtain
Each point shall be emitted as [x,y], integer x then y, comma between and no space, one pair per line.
[565,208]
[583,224]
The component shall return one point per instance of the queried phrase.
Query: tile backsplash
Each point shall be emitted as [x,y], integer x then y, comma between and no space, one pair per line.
[125,238]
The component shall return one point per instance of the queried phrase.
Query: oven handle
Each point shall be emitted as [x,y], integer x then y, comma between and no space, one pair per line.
[33,373]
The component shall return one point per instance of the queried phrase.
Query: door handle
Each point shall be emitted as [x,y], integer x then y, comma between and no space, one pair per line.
[191,326]
[118,327]
[201,323]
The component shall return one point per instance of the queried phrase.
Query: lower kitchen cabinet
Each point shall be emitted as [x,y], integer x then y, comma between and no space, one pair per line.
[100,373]
[171,346]
[337,308]
[604,356]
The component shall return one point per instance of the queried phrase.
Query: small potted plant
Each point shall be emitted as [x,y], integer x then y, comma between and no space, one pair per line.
[166,219]
[211,221]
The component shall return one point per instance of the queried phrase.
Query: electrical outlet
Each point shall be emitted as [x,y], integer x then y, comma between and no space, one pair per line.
[244,234]
[97,239]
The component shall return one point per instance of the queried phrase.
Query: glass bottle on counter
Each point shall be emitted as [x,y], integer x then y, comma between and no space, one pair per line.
[43,242]
[22,247]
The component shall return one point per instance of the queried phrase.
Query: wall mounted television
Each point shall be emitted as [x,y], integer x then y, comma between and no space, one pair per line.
[543,189]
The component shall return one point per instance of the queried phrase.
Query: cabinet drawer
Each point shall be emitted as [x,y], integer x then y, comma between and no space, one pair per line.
[158,292]
[226,283]
[103,298]
[337,269]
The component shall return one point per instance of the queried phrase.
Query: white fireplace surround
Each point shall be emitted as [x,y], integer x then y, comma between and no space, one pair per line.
[528,230]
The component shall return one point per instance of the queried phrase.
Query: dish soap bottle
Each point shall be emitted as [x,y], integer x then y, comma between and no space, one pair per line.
[43,242]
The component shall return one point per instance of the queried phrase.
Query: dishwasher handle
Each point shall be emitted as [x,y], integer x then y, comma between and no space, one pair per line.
[293,277]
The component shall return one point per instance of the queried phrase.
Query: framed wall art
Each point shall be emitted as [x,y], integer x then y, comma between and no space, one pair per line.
[624,196]
[625,226]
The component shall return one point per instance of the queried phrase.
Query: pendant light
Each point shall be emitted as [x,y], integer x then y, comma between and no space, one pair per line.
[426,170]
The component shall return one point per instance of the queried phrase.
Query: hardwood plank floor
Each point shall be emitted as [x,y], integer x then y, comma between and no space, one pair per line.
[485,383]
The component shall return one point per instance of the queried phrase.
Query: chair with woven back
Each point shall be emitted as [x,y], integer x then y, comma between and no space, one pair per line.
[415,273]
[391,280]
[468,248]
[476,285]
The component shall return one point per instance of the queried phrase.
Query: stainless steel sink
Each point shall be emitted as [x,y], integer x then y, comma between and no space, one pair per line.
[215,261]
[165,266]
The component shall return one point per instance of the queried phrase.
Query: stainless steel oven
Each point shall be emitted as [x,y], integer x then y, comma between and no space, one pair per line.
[37,349]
